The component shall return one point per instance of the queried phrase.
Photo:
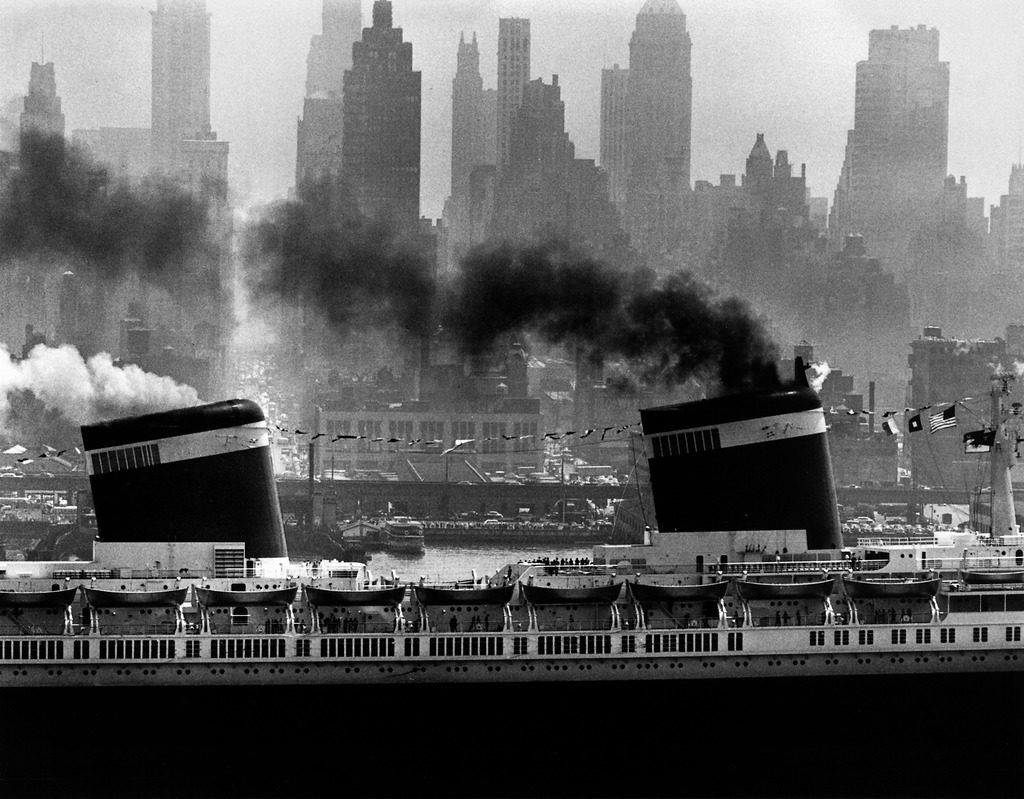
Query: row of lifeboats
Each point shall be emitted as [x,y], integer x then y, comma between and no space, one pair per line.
[390,596]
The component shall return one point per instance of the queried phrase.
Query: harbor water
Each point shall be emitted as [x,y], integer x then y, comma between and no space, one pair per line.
[445,562]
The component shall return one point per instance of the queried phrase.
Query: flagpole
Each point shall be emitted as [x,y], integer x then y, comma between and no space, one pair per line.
[1002,515]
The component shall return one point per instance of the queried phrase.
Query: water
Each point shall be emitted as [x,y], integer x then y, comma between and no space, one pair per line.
[456,561]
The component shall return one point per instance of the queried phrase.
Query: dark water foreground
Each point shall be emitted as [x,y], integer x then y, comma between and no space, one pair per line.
[921,736]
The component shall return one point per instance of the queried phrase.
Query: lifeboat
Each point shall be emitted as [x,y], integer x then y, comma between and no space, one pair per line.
[102,598]
[211,597]
[818,589]
[330,597]
[988,578]
[871,589]
[597,595]
[644,592]
[60,598]
[498,595]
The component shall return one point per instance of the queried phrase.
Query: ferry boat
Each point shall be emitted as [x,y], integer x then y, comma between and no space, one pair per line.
[191,583]
[516,532]
[403,534]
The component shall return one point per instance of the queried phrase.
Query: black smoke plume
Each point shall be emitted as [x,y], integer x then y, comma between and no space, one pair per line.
[58,202]
[669,328]
[319,252]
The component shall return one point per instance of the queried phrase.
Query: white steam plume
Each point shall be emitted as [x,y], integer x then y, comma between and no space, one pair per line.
[87,391]
[816,374]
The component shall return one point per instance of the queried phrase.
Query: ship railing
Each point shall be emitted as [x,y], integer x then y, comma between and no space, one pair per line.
[124,630]
[662,624]
[1007,563]
[740,568]
[84,574]
[129,574]
[778,567]
[890,541]
[163,574]
[571,568]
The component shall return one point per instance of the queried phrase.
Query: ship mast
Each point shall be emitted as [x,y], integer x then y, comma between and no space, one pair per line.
[1002,457]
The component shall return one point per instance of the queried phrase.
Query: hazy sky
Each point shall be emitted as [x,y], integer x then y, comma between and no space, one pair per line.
[785,68]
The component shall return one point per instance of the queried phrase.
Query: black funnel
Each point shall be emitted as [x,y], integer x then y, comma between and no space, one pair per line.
[200,474]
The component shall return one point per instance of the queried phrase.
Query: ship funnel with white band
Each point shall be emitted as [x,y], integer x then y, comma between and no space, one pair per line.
[743,462]
[200,474]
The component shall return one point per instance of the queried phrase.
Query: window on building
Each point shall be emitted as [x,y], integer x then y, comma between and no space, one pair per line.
[492,433]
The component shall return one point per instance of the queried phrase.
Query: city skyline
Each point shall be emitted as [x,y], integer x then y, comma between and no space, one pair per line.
[787,71]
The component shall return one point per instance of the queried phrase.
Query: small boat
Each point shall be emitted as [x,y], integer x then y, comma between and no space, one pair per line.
[402,534]
[99,598]
[357,537]
[595,595]
[373,597]
[990,577]
[869,589]
[498,595]
[38,599]
[646,592]
[818,589]
[210,597]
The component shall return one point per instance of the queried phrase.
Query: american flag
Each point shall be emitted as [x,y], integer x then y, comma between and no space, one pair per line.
[947,418]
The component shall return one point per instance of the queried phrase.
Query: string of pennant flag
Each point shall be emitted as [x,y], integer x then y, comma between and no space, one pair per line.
[976,441]
[935,421]
[50,452]
[916,421]
[462,442]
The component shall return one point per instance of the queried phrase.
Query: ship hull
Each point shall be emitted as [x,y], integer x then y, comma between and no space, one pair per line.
[557,757]
[489,658]
[137,675]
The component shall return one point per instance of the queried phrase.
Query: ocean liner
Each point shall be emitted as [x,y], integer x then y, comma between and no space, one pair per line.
[191,583]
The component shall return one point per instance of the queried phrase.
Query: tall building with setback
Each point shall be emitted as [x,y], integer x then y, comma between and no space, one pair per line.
[753,236]
[181,79]
[513,75]
[381,140]
[1007,225]
[185,149]
[474,143]
[28,286]
[614,88]
[895,163]
[658,118]
[545,191]
[778,195]
[42,112]
[320,128]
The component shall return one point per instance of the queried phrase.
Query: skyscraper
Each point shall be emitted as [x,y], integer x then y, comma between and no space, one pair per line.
[513,75]
[544,190]
[330,52]
[614,88]
[42,112]
[381,141]
[895,164]
[185,149]
[320,128]
[181,80]
[658,113]
[1008,224]
[474,132]
[472,142]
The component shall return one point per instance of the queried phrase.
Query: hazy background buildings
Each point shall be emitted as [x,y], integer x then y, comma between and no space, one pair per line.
[334,171]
